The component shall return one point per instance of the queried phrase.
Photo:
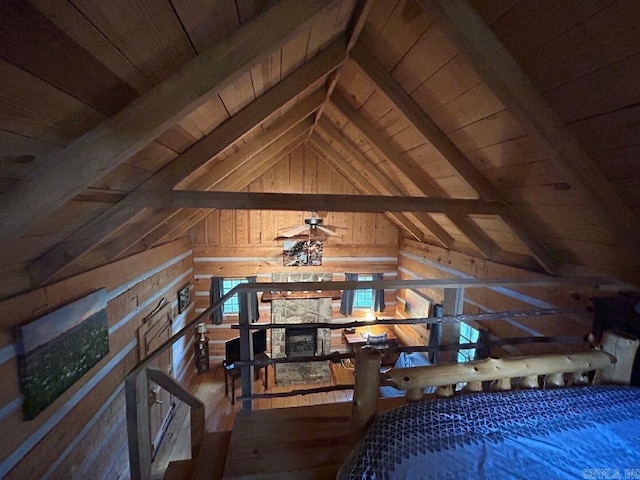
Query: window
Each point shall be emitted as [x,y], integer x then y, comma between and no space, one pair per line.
[231,305]
[467,335]
[363,298]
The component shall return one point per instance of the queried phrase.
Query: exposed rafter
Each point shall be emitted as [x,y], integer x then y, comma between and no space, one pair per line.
[480,46]
[263,107]
[383,185]
[327,152]
[430,131]
[68,172]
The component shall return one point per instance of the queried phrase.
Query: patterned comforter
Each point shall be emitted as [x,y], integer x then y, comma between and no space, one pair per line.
[573,433]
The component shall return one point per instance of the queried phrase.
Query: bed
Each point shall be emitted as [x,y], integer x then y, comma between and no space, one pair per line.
[577,432]
[561,433]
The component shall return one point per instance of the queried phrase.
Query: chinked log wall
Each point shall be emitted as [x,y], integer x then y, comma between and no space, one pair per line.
[264,261]
[83,432]
[417,260]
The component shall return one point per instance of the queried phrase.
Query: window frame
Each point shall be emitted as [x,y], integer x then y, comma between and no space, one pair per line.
[231,305]
[363,297]
[468,334]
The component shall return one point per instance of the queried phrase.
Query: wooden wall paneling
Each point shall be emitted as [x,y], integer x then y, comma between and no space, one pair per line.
[294,53]
[176,138]
[60,61]
[248,9]
[209,115]
[206,22]
[152,157]
[323,30]
[160,48]
[267,74]
[498,128]
[238,95]
[56,118]
[376,20]
[140,277]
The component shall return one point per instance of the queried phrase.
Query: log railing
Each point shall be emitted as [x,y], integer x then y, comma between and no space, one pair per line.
[136,382]
[503,372]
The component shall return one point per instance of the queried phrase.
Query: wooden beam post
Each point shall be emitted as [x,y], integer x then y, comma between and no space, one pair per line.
[136,391]
[365,392]
[246,352]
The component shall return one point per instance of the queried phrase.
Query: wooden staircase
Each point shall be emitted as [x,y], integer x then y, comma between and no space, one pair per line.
[208,464]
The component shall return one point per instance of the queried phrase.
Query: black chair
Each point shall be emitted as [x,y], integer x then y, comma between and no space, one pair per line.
[232,355]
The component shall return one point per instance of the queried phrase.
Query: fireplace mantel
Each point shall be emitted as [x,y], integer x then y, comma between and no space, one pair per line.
[302,295]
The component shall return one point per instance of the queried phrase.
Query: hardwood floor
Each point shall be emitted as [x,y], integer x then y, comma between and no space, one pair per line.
[220,414]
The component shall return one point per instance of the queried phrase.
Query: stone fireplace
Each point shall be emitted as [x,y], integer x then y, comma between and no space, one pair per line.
[303,341]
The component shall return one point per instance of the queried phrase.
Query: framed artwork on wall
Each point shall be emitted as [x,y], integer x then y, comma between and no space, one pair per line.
[302,253]
[184,297]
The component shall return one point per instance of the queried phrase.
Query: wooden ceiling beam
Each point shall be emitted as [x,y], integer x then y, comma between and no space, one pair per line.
[68,172]
[432,133]
[197,155]
[326,151]
[224,176]
[476,41]
[414,174]
[238,181]
[311,201]
[361,13]
[383,184]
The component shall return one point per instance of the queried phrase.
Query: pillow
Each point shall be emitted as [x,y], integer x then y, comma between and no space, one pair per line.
[407,360]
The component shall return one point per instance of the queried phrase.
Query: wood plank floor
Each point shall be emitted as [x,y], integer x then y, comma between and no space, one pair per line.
[220,414]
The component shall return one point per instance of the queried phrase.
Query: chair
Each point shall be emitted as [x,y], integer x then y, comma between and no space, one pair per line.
[232,355]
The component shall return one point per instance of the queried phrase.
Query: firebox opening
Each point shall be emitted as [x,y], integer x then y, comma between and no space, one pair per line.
[301,342]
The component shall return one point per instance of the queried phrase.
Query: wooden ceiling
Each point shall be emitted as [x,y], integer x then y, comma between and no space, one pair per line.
[519,120]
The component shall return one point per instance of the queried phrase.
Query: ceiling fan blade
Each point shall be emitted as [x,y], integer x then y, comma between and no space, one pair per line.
[293,231]
[326,231]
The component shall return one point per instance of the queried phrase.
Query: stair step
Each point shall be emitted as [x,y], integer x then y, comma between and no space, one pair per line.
[179,470]
[209,464]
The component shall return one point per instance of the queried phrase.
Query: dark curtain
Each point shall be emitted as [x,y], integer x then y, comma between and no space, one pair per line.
[252,303]
[378,295]
[215,294]
[482,352]
[346,302]
[435,335]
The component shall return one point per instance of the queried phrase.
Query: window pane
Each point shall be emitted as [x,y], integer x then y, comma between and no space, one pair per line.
[363,298]
[231,305]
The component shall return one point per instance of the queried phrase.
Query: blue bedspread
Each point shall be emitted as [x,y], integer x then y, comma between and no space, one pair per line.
[574,433]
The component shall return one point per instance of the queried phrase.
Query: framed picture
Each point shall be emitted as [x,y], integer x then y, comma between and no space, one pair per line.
[184,298]
[302,253]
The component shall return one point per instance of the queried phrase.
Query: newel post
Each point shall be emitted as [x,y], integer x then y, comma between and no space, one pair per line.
[136,391]
[366,390]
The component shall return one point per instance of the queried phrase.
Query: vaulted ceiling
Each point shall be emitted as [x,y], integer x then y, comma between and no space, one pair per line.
[512,126]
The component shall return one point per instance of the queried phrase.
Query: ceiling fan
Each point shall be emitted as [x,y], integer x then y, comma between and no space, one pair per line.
[313,228]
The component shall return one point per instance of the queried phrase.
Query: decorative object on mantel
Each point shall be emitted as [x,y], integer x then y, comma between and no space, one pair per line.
[302,253]
[57,349]
[300,295]
[184,298]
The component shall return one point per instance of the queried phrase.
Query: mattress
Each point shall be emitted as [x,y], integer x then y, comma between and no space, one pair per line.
[572,433]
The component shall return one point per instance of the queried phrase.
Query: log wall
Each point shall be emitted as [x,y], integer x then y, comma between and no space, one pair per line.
[239,243]
[418,260]
[82,434]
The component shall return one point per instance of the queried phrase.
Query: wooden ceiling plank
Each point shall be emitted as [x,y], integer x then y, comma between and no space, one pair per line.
[102,226]
[385,185]
[67,173]
[421,121]
[327,152]
[298,201]
[514,89]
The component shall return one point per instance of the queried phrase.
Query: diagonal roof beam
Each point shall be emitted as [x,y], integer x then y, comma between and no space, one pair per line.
[238,180]
[201,152]
[413,174]
[429,130]
[361,13]
[327,152]
[67,173]
[501,72]
[220,170]
[384,186]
